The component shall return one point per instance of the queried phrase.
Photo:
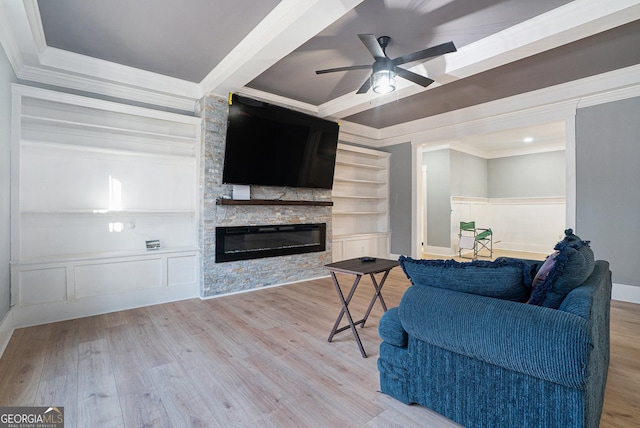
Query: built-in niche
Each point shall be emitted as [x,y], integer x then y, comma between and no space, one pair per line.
[521,197]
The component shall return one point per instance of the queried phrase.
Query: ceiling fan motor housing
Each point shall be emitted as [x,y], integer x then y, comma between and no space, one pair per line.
[383,64]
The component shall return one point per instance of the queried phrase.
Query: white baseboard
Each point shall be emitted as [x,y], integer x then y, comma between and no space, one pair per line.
[523,247]
[6,330]
[439,251]
[626,293]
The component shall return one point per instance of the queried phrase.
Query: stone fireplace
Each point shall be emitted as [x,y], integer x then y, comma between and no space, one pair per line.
[238,275]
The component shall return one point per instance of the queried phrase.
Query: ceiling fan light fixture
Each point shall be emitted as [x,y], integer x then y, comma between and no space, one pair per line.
[383,81]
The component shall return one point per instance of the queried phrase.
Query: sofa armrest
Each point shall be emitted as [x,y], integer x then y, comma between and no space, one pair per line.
[391,330]
[546,343]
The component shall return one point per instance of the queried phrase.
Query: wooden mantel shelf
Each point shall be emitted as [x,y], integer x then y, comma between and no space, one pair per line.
[273,202]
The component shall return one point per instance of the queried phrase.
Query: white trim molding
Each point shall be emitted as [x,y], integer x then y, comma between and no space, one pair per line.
[6,330]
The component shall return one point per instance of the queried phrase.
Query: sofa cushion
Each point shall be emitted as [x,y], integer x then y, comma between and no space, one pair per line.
[507,279]
[568,267]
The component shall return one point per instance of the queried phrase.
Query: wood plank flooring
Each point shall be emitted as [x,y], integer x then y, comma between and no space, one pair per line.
[257,359]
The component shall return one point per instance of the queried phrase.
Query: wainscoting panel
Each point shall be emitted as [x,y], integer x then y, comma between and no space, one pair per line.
[518,224]
[113,278]
[42,286]
[60,290]
[181,270]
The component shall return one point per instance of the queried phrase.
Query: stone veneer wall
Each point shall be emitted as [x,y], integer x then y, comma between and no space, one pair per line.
[220,278]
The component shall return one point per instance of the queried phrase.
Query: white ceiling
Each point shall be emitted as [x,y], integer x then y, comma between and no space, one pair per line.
[527,139]
[171,52]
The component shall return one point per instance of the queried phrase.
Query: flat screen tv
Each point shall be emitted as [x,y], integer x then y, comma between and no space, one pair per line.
[268,145]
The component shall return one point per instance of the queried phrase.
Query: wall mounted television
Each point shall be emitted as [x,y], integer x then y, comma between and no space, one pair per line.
[268,145]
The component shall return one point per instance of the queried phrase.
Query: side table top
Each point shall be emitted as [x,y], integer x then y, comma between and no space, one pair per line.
[358,267]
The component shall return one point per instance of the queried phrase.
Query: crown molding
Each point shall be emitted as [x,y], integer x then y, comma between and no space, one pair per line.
[631,91]
[35,24]
[8,41]
[91,102]
[110,89]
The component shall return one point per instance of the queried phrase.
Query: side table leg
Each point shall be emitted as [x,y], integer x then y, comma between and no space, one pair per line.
[377,295]
[345,311]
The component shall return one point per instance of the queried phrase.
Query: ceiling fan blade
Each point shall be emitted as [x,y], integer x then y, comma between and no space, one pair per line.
[370,41]
[426,53]
[351,67]
[414,77]
[365,87]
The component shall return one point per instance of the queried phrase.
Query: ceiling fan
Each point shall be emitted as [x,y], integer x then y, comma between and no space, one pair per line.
[385,69]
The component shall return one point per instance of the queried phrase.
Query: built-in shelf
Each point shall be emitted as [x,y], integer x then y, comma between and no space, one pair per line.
[359,213]
[93,181]
[361,210]
[361,165]
[107,212]
[33,121]
[358,197]
[273,202]
[358,181]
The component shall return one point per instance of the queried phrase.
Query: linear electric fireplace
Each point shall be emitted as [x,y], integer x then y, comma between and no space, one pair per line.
[254,242]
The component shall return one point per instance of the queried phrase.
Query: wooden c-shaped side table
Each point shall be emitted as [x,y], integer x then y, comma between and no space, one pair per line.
[359,268]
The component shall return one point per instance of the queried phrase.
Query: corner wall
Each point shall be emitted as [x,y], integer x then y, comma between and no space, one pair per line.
[607,197]
[221,278]
[7,76]
[400,197]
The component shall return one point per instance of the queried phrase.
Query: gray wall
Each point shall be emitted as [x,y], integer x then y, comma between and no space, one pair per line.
[607,175]
[468,175]
[438,165]
[6,77]
[400,197]
[534,175]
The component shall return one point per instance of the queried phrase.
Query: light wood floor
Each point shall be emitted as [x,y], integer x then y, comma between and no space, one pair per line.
[258,359]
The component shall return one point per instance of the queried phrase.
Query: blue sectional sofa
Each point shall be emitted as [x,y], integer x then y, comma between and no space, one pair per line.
[510,343]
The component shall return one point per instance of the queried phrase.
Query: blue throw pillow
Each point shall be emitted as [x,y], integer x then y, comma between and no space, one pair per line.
[568,267]
[507,279]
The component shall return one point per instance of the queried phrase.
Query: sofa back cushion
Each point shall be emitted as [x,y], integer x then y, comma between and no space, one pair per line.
[568,267]
[507,279]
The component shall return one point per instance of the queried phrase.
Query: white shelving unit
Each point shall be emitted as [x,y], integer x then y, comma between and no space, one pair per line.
[92,180]
[361,203]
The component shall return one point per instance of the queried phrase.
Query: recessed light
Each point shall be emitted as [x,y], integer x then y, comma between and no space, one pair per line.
[528,140]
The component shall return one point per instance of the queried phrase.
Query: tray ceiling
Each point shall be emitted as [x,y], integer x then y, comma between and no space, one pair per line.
[172,52]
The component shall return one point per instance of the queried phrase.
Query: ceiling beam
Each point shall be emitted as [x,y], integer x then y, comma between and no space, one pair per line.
[565,24]
[289,25]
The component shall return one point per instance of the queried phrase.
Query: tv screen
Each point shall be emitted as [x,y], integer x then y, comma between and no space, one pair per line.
[269,145]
